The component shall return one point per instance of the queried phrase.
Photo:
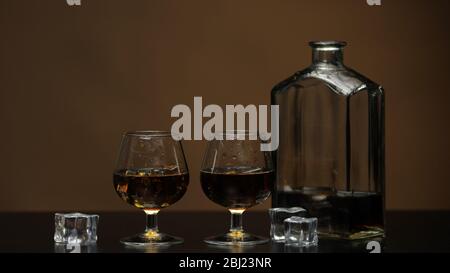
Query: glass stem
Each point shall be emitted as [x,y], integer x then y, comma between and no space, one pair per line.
[236,220]
[152,221]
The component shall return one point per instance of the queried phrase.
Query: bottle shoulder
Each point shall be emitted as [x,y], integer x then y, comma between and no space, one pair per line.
[342,80]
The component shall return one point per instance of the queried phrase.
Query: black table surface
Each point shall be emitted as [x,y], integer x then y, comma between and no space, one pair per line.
[412,231]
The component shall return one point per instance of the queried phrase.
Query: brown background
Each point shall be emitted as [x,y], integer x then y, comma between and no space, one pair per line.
[72,79]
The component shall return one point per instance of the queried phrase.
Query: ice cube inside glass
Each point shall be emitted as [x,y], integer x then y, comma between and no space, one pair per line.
[300,231]
[75,228]
[277,217]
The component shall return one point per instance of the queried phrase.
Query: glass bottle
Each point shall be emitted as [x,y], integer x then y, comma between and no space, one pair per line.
[330,158]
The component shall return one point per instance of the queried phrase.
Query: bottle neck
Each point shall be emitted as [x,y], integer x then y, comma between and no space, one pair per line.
[328,54]
[334,56]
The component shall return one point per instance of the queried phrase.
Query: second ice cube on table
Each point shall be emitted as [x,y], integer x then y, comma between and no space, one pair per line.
[300,231]
[277,217]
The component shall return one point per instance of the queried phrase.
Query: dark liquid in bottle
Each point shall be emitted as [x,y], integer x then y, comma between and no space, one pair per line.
[346,215]
[237,188]
[150,188]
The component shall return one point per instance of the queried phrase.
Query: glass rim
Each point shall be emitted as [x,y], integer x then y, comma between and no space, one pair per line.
[148,133]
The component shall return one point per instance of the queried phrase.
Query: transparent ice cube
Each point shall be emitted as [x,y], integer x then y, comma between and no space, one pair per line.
[75,228]
[277,217]
[75,248]
[300,231]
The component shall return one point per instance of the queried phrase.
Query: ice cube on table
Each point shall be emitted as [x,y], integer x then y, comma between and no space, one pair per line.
[75,228]
[75,248]
[277,217]
[300,231]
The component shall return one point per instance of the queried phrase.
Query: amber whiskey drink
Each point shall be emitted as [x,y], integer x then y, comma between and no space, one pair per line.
[150,188]
[234,188]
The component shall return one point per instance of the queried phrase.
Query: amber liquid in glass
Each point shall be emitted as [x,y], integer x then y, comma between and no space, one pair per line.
[237,188]
[150,188]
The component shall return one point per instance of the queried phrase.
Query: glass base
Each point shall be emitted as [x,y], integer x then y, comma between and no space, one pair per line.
[151,239]
[236,238]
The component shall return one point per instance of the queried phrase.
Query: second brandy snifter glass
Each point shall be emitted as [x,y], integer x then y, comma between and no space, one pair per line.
[236,174]
[151,174]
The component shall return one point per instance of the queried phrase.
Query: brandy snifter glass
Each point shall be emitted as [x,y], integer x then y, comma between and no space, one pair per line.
[151,174]
[237,175]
